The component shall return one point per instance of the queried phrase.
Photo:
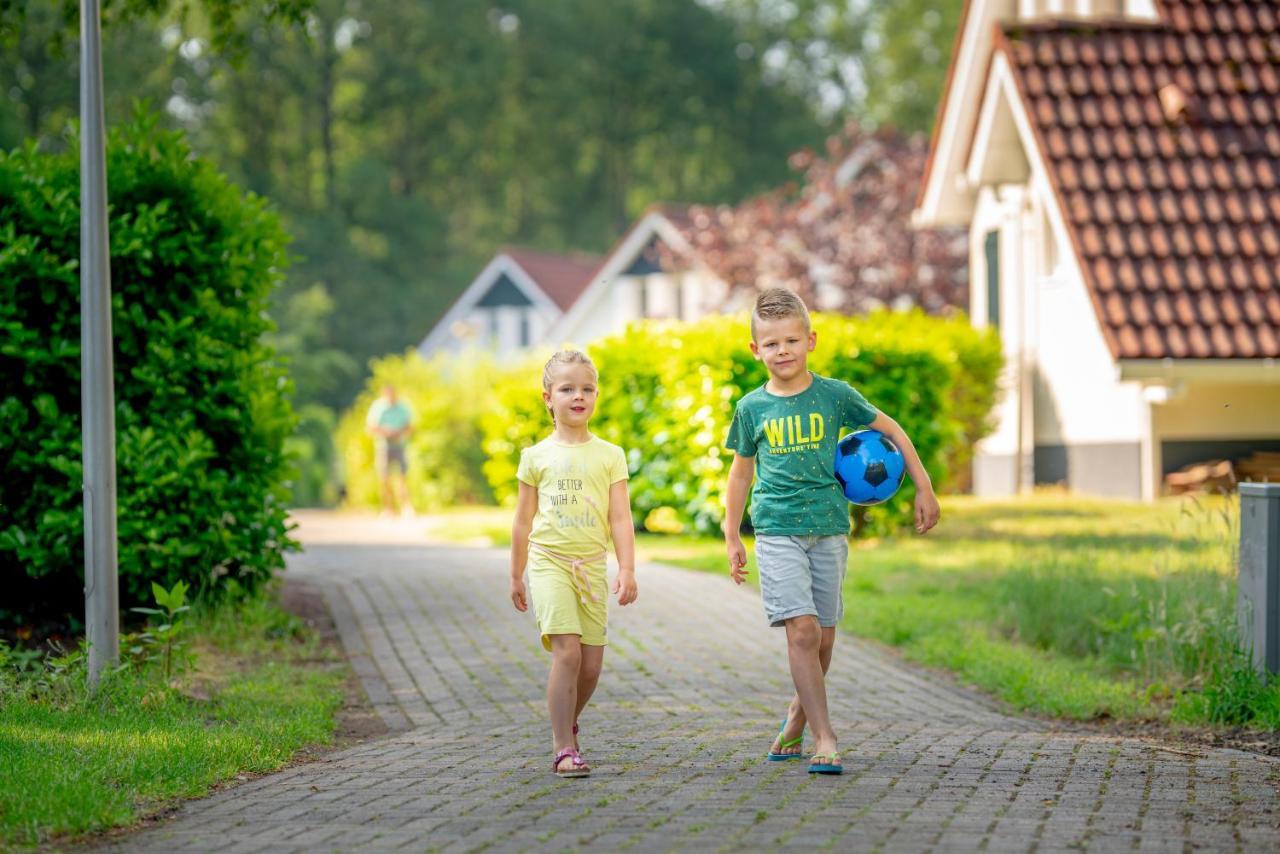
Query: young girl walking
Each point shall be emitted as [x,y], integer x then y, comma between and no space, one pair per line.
[572,502]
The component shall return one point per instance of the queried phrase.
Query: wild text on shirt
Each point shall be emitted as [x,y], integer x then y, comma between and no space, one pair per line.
[787,435]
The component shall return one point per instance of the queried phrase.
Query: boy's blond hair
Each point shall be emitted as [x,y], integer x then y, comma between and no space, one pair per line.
[565,357]
[777,303]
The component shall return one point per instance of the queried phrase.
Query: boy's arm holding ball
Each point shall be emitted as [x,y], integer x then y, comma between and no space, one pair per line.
[741,472]
[927,509]
[526,509]
[624,542]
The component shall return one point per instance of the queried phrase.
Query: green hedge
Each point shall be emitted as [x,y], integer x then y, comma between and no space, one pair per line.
[311,450]
[668,392]
[201,416]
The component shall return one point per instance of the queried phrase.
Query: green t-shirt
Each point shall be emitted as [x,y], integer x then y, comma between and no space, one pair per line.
[391,416]
[796,492]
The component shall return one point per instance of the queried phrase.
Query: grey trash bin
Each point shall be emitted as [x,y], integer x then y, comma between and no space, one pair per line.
[1258,600]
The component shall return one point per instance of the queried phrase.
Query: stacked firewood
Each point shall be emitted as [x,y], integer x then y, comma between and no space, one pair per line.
[1223,475]
[1260,466]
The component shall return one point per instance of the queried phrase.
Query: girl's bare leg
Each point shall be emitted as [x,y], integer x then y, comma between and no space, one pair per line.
[562,691]
[588,677]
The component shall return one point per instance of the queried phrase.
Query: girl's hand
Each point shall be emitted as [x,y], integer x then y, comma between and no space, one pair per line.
[927,511]
[624,585]
[517,595]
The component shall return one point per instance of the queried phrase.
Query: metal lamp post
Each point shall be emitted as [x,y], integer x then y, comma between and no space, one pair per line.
[97,392]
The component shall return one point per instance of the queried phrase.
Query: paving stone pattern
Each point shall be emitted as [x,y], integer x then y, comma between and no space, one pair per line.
[693,690]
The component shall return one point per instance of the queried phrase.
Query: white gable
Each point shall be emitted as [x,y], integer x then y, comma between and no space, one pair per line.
[613,299]
[467,323]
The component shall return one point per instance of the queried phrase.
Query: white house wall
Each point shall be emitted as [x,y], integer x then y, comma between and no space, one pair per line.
[995,462]
[1064,415]
[1084,427]
[1091,428]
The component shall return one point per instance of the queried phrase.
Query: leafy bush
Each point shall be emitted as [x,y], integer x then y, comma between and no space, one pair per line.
[201,416]
[668,391]
[976,358]
[448,396]
[311,451]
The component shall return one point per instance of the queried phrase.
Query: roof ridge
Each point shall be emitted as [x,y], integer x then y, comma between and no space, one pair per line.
[1085,26]
[567,255]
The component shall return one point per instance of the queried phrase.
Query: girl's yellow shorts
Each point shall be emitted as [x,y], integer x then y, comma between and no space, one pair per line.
[557,605]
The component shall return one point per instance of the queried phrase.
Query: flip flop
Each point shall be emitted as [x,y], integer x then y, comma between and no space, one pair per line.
[579,768]
[825,763]
[784,743]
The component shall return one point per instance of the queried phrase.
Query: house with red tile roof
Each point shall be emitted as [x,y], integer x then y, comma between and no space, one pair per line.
[652,272]
[511,304]
[524,299]
[1117,164]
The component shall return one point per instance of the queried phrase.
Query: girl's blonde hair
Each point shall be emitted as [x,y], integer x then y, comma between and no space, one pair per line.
[565,357]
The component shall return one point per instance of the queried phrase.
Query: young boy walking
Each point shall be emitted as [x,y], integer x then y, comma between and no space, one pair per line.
[784,436]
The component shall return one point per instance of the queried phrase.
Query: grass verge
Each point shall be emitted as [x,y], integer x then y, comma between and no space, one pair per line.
[1062,606]
[260,687]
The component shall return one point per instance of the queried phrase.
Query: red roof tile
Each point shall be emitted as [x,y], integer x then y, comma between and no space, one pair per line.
[561,277]
[1176,215]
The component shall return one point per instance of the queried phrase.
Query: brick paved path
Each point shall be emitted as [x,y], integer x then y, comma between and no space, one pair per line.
[692,693]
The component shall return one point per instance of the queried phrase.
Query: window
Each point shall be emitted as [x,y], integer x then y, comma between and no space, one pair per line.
[992,246]
[524,328]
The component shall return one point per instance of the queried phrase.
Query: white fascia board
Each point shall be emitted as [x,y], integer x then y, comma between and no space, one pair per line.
[1165,371]
[943,203]
[998,92]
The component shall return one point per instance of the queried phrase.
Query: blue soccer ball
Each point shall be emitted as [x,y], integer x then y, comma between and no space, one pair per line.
[869,467]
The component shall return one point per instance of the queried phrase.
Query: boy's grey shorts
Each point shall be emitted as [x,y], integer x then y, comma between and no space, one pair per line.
[802,575]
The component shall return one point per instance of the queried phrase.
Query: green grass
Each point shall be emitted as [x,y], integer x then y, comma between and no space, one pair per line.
[71,763]
[1060,605]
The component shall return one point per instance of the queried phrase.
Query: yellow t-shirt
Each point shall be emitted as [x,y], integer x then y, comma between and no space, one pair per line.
[573,493]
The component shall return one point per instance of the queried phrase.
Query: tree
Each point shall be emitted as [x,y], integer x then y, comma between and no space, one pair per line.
[403,144]
[844,239]
[907,69]
[227,18]
[431,134]
[40,75]
[883,62]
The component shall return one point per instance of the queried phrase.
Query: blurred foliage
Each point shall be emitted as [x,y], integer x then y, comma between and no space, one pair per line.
[201,412]
[228,18]
[667,395]
[404,143]
[315,478]
[883,62]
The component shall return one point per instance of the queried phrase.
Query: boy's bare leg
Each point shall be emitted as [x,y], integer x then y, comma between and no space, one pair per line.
[588,677]
[804,639]
[795,712]
[562,692]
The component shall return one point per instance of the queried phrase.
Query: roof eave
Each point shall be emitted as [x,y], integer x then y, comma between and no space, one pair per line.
[1171,370]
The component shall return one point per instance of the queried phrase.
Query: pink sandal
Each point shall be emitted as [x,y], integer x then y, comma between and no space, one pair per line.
[579,769]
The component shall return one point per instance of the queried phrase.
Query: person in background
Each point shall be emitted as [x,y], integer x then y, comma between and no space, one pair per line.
[390,422]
